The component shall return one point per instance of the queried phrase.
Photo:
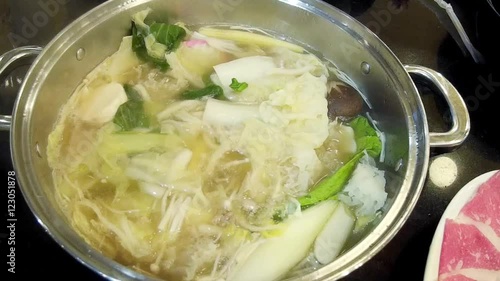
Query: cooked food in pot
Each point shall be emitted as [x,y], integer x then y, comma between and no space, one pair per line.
[209,153]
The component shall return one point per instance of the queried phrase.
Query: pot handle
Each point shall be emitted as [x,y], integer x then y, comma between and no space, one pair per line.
[8,59]
[458,109]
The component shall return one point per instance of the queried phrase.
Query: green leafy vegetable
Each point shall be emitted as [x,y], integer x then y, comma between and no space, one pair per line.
[331,185]
[154,54]
[237,86]
[209,91]
[168,34]
[138,45]
[131,114]
[152,43]
[366,136]
[366,140]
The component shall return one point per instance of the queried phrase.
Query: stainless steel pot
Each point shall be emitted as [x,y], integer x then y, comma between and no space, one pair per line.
[385,82]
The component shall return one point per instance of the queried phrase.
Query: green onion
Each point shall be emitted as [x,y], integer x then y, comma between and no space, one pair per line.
[237,86]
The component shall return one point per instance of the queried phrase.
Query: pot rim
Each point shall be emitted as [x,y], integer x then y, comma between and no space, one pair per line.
[382,234]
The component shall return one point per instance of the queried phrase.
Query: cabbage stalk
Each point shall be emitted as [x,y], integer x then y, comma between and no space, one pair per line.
[99,106]
[332,238]
[276,256]
[227,113]
[244,37]
[244,70]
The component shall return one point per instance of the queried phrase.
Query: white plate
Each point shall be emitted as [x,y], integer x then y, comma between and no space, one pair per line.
[451,212]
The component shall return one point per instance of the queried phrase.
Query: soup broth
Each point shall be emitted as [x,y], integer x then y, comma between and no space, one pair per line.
[211,153]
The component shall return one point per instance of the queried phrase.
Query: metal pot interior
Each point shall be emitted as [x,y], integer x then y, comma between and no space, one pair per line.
[393,99]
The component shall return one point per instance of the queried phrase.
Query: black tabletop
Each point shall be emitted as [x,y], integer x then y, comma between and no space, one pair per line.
[418,32]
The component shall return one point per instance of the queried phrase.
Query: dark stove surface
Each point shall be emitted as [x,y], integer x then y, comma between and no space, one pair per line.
[418,33]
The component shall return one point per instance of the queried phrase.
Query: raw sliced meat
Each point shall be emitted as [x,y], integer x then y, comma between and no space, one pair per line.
[464,246]
[471,274]
[485,206]
[471,241]
[456,278]
[485,229]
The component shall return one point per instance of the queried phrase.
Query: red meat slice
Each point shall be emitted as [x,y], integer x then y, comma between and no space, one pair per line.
[464,246]
[457,278]
[485,206]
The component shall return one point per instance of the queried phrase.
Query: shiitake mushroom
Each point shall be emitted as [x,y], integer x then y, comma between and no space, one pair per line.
[344,101]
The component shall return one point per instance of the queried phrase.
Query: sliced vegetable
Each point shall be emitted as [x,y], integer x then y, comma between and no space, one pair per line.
[131,114]
[152,43]
[169,35]
[244,69]
[237,86]
[131,143]
[180,72]
[366,136]
[228,113]
[139,19]
[277,255]
[161,169]
[366,140]
[331,185]
[122,61]
[332,238]
[152,54]
[365,191]
[249,38]
[199,58]
[212,91]
[100,105]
